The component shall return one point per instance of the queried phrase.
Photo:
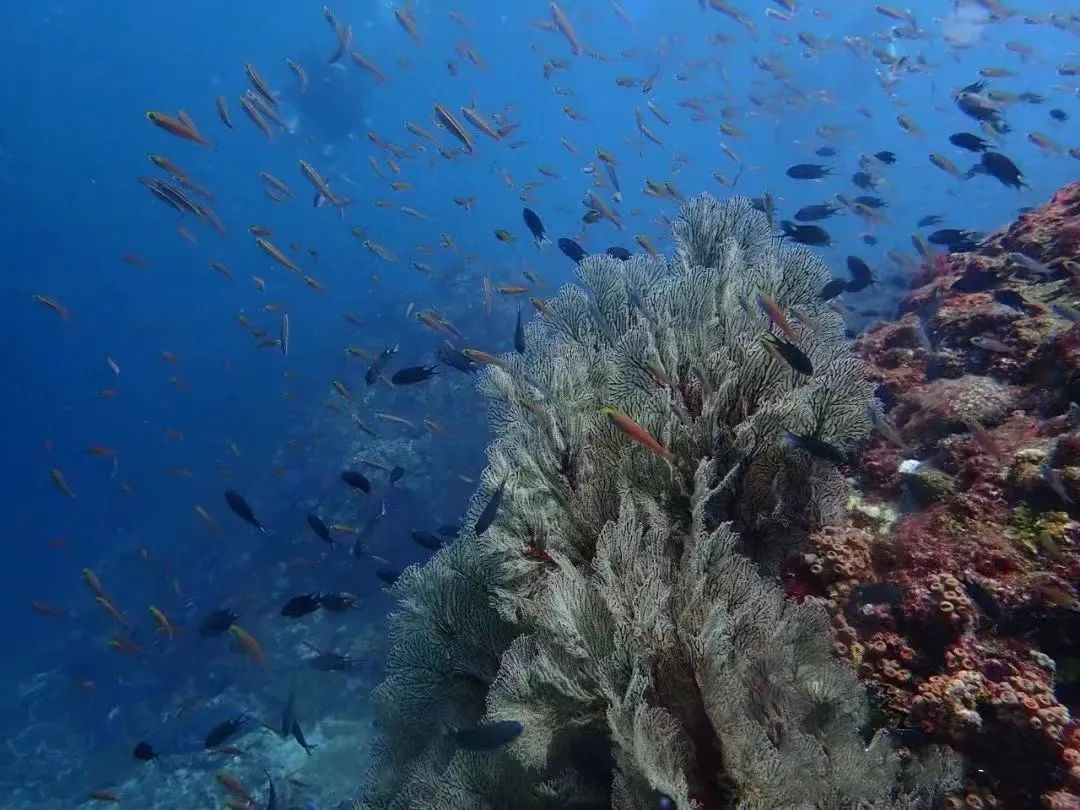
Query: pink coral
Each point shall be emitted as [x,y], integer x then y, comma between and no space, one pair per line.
[979,578]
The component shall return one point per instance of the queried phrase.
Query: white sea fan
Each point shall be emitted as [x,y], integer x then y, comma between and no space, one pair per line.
[628,602]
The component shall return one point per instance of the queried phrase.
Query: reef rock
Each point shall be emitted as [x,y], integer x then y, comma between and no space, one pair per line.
[963,614]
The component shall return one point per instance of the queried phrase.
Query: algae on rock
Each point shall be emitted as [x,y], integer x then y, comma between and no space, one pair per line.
[625,604]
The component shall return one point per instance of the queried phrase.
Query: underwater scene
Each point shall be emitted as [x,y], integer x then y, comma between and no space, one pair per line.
[643,404]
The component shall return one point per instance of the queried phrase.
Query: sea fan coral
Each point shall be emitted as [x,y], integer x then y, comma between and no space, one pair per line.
[624,600]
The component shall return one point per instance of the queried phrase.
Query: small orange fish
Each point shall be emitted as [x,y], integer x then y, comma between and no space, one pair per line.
[125,645]
[54,305]
[271,250]
[362,61]
[234,786]
[454,126]
[223,111]
[247,644]
[484,358]
[646,245]
[92,582]
[102,796]
[406,21]
[776,315]
[380,251]
[111,611]
[47,610]
[135,260]
[635,432]
[389,417]
[567,30]
[177,127]
[167,165]
[60,482]
[162,621]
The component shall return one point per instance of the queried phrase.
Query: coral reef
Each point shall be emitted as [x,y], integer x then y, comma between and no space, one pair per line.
[655,464]
[962,615]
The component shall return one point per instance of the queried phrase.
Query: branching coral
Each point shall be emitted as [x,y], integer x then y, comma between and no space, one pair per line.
[626,596]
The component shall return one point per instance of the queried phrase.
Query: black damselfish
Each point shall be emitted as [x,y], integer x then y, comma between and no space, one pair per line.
[241,508]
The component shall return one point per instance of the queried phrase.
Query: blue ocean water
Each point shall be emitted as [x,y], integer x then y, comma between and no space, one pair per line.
[192,384]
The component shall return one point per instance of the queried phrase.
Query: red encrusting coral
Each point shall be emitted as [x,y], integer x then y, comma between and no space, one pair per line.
[960,613]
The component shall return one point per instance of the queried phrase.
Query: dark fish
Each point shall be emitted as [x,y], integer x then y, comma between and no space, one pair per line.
[302,605]
[519,335]
[1000,167]
[928,220]
[886,157]
[877,593]
[951,236]
[861,277]
[972,143]
[413,374]
[221,733]
[298,735]
[572,249]
[871,202]
[818,448]
[452,357]
[869,239]
[450,531]
[320,528]
[338,602]
[376,368]
[1059,115]
[825,151]
[864,180]
[218,623]
[144,751]
[832,289]
[789,353]
[271,794]
[291,726]
[427,540]
[805,234]
[332,662]
[974,104]
[1031,97]
[288,716]
[1010,298]
[487,516]
[489,736]
[388,575]
[620,253]
[808,171]
[985,600]
[241,508]
[812,213]
[536,228]
[396,474]
[357,480]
